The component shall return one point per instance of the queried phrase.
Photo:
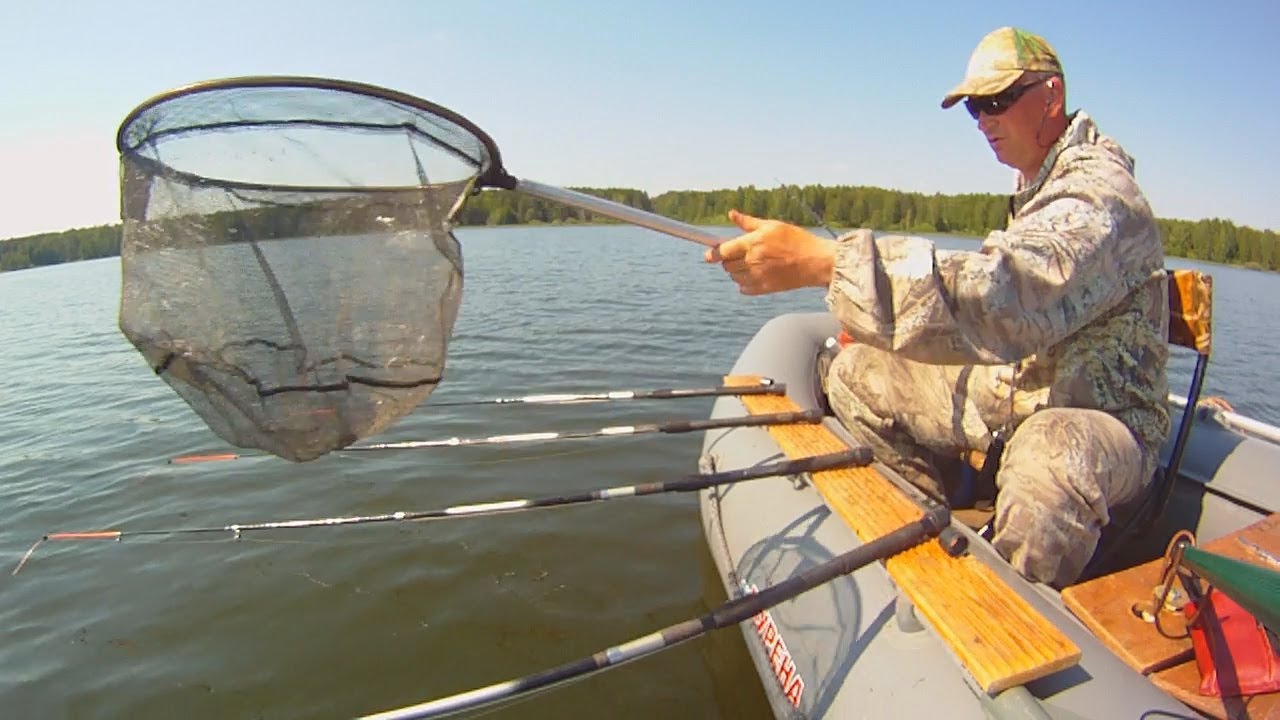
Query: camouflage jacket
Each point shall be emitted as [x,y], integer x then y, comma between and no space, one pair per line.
[1071,295]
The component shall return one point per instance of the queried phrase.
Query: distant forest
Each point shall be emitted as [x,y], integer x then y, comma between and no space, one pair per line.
[840,207]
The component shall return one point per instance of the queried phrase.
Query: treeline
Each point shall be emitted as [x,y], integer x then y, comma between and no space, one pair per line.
[60,247]
[502,207]
[1221,241]
[840,207]
[843,206]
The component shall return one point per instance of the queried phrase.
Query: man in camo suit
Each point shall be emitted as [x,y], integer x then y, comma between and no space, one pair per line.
[1052,334]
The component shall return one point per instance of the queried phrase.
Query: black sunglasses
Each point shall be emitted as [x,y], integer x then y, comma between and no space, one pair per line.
[996,104]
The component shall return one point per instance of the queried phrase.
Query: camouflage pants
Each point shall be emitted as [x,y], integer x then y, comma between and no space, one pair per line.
[1062,469]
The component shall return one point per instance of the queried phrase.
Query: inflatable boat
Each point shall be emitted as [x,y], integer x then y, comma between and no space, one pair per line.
[859,647]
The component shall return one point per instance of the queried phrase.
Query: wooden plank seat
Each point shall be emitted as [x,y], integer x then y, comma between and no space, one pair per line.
[998,637]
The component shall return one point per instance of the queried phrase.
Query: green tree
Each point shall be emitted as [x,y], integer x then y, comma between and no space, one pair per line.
[846,206]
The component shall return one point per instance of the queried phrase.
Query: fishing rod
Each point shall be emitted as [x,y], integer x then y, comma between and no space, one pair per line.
[932,524]
[856,457]
[766,386]
[812,213]
[672,427]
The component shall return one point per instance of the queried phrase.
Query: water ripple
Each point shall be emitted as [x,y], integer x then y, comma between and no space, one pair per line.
[332,623]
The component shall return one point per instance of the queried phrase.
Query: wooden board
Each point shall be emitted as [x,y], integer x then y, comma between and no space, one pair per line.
[1183,680]
[1104,606]
[1244,545]
[997,636]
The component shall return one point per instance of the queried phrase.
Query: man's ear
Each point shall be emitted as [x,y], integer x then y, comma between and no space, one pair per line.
[1056,97]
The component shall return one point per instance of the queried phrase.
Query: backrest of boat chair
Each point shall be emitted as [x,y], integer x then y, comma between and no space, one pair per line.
[1190,326]
[1191,310]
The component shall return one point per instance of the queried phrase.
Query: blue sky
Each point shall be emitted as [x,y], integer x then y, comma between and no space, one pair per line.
[666,95]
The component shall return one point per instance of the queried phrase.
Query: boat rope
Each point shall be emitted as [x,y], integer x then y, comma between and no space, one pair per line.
[670,427]
[729,614]
[688,483]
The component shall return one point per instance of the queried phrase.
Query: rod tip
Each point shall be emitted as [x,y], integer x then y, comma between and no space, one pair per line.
[26,556]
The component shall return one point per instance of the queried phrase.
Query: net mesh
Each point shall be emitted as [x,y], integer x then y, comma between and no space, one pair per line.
[289,266]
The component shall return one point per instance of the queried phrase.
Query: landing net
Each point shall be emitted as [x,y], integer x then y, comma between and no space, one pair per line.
[289,266]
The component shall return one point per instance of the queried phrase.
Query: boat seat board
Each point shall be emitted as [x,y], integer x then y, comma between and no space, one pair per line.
[1104,605]
[995,633]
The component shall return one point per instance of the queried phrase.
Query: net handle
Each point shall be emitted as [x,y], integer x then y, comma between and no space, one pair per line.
[617,211]
[492,175]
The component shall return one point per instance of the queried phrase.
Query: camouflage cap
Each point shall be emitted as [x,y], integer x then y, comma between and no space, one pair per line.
[1000,59]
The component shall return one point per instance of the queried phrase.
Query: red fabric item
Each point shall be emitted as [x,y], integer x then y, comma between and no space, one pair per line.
[844,338]
[1233,653]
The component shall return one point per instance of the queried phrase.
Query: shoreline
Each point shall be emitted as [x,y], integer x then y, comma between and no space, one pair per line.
[605,223]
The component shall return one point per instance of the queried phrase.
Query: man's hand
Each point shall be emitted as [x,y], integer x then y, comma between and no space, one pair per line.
[774,256]
[1217,403]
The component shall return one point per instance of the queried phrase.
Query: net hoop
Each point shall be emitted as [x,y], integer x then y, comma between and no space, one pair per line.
[491,173]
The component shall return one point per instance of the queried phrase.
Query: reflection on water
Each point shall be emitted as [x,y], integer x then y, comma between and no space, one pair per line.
[333,623]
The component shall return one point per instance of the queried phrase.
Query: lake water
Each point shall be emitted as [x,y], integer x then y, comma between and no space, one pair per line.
[334,623]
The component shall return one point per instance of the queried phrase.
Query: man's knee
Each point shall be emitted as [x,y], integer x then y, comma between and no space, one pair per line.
[850,391]
[858,394]
[1051,453]
[883,390]
[1061,472]
[856,363]
[1042,531]
[1088,453]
